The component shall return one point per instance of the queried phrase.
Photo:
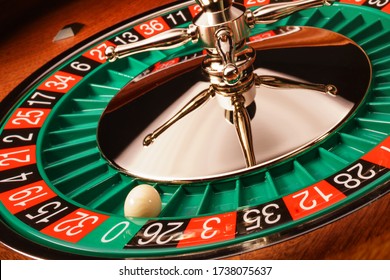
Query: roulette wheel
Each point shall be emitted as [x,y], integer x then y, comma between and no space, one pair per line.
[73,134]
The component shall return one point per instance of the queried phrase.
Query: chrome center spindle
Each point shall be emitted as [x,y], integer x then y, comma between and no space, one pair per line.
[222,28]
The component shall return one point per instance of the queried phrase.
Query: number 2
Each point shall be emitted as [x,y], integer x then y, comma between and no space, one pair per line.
[11,138]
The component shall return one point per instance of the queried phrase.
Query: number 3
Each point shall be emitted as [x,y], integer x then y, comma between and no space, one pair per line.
[208,228]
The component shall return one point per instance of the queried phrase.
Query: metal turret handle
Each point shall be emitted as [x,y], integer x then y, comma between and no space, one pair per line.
[283,83]
[242,123]
[226,50]
[274,12]
[214,5]
[169,39]
[192,105]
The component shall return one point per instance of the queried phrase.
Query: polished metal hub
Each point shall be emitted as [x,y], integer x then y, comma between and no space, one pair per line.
[288,112]
[222,28]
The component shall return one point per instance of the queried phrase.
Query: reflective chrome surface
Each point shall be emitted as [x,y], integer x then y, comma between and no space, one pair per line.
[204,144]
[170,39]
[273,12]
[222,29]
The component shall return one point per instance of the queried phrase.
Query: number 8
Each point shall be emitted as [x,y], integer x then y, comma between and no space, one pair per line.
[378,3]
